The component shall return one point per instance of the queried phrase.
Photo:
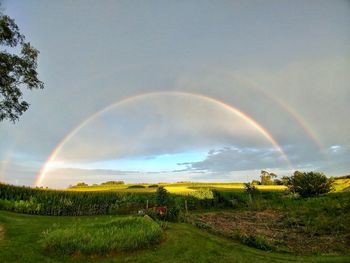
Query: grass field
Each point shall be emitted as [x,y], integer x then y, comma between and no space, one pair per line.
[183,243]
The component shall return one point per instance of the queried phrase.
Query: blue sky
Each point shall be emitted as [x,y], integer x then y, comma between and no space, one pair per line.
[247,54]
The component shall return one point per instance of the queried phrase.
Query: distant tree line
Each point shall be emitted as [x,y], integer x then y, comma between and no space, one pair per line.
[82,184]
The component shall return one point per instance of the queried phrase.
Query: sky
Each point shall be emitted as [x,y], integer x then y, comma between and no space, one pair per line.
[167,91]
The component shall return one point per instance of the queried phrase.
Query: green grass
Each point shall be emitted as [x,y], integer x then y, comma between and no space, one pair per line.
[183,243]
[101,238]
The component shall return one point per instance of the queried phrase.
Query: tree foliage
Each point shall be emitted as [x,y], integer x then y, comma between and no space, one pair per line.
[266,177]
[309,184]
[18,65]
[162,196]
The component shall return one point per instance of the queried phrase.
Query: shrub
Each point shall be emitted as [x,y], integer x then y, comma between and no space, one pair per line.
[153,186]
[255,241]
[310,184]
[172,214]
[250,189]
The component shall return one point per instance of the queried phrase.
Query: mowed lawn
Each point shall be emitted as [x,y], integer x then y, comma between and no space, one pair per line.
[21,235]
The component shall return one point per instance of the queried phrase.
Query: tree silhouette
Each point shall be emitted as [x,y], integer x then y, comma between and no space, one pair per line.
[17,69]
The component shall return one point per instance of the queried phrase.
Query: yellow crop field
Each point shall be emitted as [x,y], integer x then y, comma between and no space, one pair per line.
[342,184]
[176,188]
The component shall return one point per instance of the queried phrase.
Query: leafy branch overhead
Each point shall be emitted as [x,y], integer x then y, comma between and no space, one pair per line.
[18,70]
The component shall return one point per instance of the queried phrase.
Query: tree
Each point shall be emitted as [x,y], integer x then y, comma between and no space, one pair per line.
[309,184]
[161,196]
[256,182]
[265,178]
[17,70]
[285,180]
[82,184]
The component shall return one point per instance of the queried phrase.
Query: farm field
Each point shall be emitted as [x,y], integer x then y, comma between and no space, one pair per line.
[177,188]
[182,243]
[340,184]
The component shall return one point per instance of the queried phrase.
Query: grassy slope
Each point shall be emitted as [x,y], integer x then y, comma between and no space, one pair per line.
[184,243]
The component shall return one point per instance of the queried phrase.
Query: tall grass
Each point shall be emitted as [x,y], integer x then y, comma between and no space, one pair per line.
[102,238]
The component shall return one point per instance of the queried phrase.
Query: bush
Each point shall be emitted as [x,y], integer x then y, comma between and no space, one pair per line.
[310,184]
[153,186]
[136,186]
[172,214]
[250,189]
[256,241]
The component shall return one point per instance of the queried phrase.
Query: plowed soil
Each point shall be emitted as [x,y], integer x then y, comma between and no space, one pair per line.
[271,226]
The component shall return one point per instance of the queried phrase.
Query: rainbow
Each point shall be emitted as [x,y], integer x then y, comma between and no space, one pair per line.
[307,129]
[43,171]
[292,112]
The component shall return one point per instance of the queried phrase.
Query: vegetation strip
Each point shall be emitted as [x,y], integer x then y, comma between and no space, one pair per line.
[102,238]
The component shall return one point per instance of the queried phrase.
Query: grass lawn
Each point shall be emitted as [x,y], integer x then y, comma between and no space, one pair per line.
[183,243]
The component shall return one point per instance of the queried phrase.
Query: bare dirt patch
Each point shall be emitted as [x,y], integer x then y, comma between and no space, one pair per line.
[270,227]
